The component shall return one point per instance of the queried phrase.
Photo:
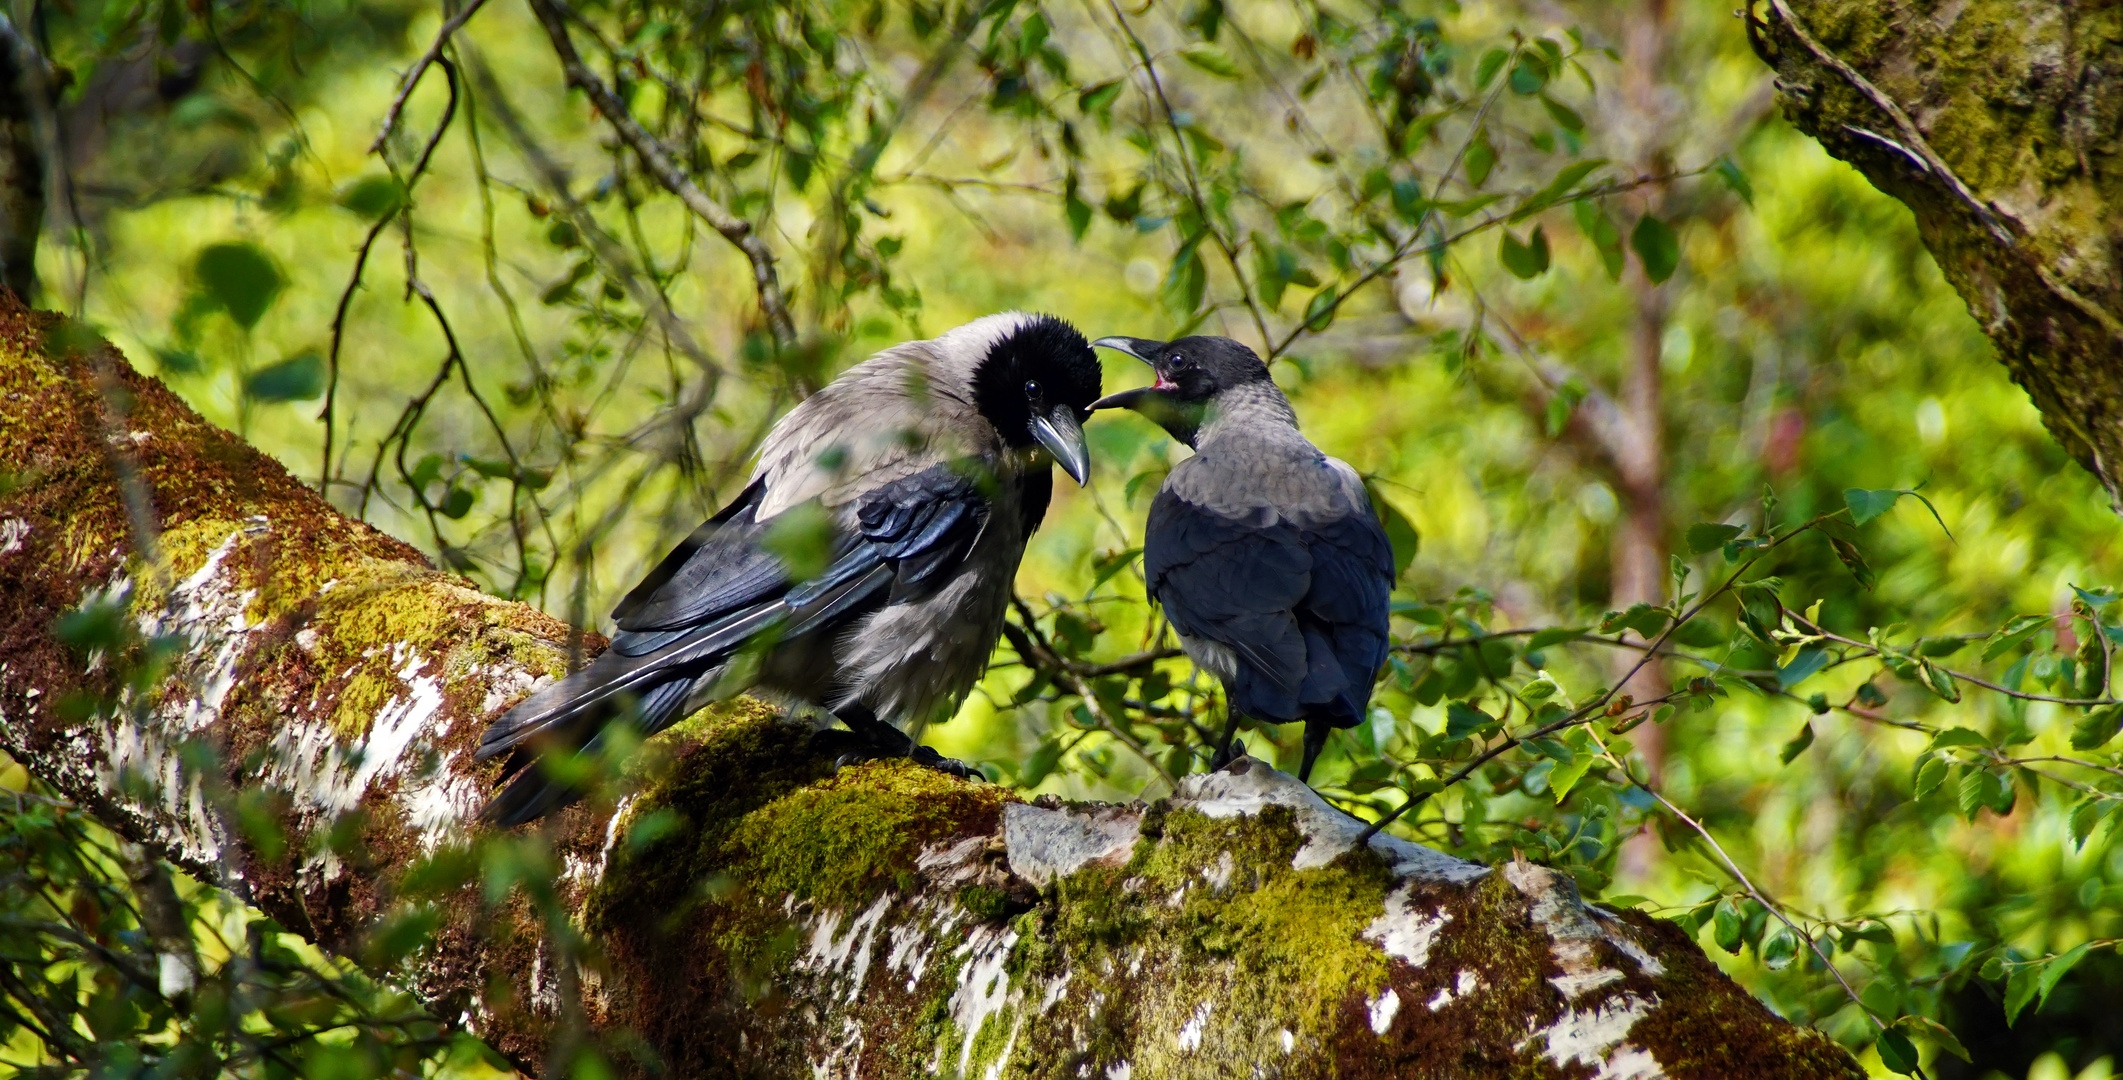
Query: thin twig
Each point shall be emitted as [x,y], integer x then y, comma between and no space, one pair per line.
[656,158]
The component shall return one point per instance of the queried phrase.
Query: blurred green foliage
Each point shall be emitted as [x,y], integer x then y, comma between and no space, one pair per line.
[1884,717]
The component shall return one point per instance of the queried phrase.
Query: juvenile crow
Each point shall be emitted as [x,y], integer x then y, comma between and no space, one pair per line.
[1263,551]
[916,477]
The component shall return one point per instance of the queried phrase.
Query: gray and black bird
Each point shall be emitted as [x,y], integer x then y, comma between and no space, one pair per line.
[1263,551]
[919,473]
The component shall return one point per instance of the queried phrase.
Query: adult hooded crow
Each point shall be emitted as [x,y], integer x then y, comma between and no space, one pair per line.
[1263,551]
[920,473]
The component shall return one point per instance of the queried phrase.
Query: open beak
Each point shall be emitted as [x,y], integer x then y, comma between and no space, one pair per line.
[1059,431]
[1140,348]
[1129,399]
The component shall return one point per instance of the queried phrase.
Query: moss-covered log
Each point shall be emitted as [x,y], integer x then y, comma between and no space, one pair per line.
[789,918]
[2000,123]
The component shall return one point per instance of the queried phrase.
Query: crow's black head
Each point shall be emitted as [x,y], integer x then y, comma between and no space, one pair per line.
[1191,372]
[1036,385]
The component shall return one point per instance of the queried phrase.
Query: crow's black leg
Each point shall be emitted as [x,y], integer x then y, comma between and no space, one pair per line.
[1315,741]
[885,741]
[1224,756]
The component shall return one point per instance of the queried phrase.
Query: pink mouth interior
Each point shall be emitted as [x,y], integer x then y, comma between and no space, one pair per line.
[1163,383]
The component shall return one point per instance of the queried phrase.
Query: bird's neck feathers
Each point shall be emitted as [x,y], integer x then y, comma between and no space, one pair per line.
[1252,411]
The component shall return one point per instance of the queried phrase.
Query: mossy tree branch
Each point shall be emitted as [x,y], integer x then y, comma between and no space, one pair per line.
[1998,123]
[751,910]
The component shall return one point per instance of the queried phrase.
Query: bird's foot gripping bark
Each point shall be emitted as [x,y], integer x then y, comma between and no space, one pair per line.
[876,739]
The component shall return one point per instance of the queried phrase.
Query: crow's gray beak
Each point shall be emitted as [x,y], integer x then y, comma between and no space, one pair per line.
[1059,432]
[1140,348]
[1128,399]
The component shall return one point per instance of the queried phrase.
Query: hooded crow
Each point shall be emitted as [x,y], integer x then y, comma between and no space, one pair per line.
[913,481]
[1264,552]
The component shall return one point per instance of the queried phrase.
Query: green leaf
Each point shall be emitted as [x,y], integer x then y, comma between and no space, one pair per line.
[1927,1028]
[297,378]
[1972,791]
[1527,260]
[1564,116]
[1730,173]
[1656,245]
[1726,927]
[1558,187]
[1798,743]
[457,502]
[1867,505]
[1710,536]
[1605,237]
[1554,635]
[1463,720]
[1098,100]
[1320,310]
[2054,970]
[1957,736]
[1075,209]
[1809,660]
[240,279]
[1210,58]
[2020,989]
[1646,620]
[1481,157]
[373,196]
[1896,1052]
[2087,816]
[1491,62]
[2097,727]
[1780,948]
[1566,775]
[1938,681]
[1931,772]
[1400,531]
[1529,75]
[1113,564]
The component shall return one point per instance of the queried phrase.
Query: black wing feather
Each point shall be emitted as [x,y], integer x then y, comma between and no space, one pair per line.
[719,589]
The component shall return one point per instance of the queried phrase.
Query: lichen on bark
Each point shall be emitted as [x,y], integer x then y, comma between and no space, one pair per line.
[756,909]
[2000,124]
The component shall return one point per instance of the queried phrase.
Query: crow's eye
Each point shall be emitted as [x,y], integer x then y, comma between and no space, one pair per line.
[1032,388]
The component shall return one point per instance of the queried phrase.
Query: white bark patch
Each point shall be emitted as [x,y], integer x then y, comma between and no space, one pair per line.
[1384,1010]
[12,532]
[833,954]
[1248,786]
[316,767]
[1045,845]
[1402,931]
[1467,983]
[1219,876]
[1120,1070]
[1573,932]
[1191,1032]
[1583,1037]
[983,986]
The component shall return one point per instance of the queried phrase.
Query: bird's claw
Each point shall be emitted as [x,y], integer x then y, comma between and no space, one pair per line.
[1227,755]
[922,755]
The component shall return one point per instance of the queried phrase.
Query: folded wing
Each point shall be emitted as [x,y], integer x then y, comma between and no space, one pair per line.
[720,590]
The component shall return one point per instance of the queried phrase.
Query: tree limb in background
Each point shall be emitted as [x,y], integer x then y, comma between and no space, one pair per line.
[2010,165]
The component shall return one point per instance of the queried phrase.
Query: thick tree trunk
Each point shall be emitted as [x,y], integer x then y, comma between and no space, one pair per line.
[2000,123]
[878,921]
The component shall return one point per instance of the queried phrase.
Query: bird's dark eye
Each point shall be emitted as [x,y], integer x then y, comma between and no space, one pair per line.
[1032,388]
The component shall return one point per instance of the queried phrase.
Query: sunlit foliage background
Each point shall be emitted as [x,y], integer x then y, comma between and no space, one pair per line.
[538,364]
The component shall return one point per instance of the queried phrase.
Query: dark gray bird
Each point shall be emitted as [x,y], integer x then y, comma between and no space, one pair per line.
[917,475]
[1263,551]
